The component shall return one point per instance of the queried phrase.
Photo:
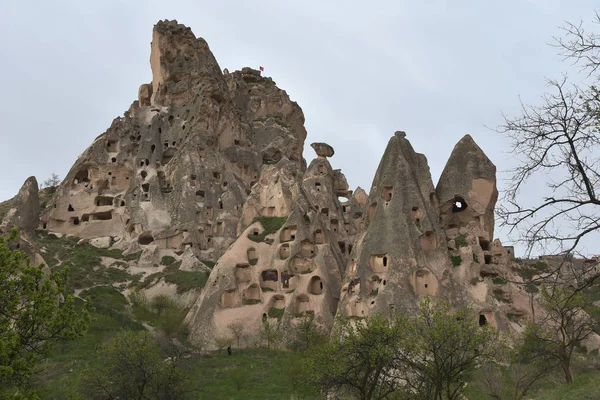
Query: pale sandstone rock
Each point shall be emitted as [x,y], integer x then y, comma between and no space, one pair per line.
[25,211]
[103,242]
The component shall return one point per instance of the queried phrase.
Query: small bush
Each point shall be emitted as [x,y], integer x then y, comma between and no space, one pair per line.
[456,260]
[461,240]
[252,261]
[248,302]
[499,280]
[208,263]
[276,312]
[167,260]
[375,292]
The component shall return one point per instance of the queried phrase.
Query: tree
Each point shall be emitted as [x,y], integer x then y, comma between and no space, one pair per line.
[52,182]
[133,368]
[558,142]
[563,325]
[32,316]
[237,329]
[222,342]
[442,347]
[360,359]
[427,355]
[307,333]
[162,303]
[515,381]
[270,334]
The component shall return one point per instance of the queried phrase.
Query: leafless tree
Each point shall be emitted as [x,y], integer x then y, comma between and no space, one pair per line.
[237,329]
[558,142]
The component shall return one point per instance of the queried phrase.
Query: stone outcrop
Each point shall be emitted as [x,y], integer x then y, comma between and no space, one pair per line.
[402,253]
[467,189]
[24,213]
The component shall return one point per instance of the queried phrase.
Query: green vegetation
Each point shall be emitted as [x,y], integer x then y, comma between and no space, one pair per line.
[5,206]
[276,312]
[105,298]
[456,260]
[252,261]
[528,270]
[185,280]
[426,355]
[32,321]
[167,260]
[248,302]
[270,225]
[461,240]
[375,292]
[84,261]
[208,263]
[498,280]
[131,366]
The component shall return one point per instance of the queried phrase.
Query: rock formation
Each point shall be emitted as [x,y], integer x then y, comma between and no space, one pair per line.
[284,272]
[24,213]
[206,168]
[177,169]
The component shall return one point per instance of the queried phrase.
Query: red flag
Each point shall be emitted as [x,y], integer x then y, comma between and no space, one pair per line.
[261,68]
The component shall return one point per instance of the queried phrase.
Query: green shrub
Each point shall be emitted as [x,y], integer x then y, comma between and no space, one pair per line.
[461,240]
[375,292]
[456,260]
[252,261]
[249,302]
[276,312]
[499,280]
[167,260]
[208,263]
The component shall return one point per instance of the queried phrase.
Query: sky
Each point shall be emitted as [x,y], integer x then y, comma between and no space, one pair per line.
[360,71]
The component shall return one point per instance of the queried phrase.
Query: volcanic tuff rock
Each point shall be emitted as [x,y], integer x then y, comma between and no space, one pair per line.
[468,183]
[206,167]
[24,213]
[177,169]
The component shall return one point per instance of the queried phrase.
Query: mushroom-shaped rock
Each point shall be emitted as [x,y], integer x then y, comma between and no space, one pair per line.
[467,190]
[25,211]
[322,149]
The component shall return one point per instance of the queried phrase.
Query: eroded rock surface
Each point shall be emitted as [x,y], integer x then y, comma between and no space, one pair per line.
[206,168]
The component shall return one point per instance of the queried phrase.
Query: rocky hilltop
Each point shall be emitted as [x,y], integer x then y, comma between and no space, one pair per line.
[206,168]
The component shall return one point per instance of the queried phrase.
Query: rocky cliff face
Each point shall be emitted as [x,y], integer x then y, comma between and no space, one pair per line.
[177,168]
[206,168]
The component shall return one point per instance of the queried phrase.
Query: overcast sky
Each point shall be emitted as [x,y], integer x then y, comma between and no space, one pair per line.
[360,70]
